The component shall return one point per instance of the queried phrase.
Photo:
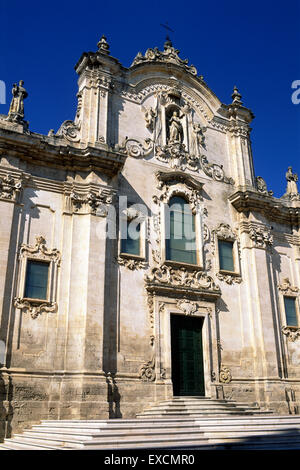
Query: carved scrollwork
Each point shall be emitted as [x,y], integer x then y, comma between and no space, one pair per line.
[287,289]
[181,277]
[214,171]
[96,201]
[134,148]
[187,306]
[147,371]
[131,263]
[35,308]
[177,157]
[9,187]
[178,184]
[70,131]
[229,279]
[261,236]
[225,375]
[40,251]
[291,333]
[169,54]
[225,232]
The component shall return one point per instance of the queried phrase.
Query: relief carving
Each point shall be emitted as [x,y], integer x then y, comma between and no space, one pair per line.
[40,251]
[134,148]
[97,202]
[261,236]
[147,371]
[287,289]
[187,306]
[261,186]
[292,333]
[169,54]
[131,263]
[70,131]
[9,187]
[194,279]
[214,171]
[225,375]
[34,308]
[229,279]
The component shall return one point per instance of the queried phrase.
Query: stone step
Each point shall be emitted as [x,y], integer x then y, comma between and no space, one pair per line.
[111,422]
[195,413]
[191,440]
[192,430]
[204,433]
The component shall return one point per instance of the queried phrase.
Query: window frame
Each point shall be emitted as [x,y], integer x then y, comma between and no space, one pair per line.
[198,229]
[296,303]
[142,245]
[228,237]
[38,252]
[35,299]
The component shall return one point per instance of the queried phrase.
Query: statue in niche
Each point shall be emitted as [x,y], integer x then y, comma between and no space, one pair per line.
[175,128]
[292,179]
[16,109]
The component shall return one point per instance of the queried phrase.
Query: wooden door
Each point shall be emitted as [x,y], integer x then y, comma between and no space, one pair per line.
[187,355]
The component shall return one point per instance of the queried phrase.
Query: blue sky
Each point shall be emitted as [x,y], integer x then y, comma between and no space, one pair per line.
[254,45]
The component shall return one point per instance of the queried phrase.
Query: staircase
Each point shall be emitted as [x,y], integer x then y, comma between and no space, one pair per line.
[198,407]
[179,423]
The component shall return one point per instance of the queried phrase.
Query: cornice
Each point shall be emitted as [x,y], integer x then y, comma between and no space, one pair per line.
[54,152]
[246,199]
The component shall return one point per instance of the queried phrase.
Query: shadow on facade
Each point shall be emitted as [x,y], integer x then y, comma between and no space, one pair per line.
[6,408]
[113,397]
[7,326]
[281,440]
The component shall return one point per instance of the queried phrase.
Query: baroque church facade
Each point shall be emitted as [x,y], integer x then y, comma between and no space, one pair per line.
[141,257]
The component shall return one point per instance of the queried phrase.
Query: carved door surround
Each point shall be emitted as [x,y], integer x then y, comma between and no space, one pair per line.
[163,308]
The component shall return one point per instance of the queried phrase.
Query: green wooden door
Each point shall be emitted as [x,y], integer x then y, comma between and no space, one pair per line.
[187,355]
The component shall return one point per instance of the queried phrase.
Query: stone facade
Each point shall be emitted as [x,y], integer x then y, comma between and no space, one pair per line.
[99,345]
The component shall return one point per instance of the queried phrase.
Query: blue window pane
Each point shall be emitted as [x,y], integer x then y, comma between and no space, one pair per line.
[290,311]
[226,255]
[36,280]
[181,246]
[131,244]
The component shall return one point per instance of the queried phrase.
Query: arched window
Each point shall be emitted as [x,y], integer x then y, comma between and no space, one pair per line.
[181,238]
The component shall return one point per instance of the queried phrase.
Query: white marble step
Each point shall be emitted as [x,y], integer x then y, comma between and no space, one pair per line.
[170,441]
[205,432]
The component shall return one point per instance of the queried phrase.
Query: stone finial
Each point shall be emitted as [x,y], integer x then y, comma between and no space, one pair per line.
[103,45]
[236,97]
[16,109]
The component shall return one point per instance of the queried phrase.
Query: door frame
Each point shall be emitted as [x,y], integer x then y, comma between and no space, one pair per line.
[186,320]
[163,309]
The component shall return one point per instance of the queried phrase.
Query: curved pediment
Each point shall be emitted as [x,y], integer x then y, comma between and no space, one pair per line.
[152,78]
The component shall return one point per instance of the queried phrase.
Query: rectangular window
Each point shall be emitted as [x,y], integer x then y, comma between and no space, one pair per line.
[181,244]
[131,244]
[226,255]
[290,311]
[36,282]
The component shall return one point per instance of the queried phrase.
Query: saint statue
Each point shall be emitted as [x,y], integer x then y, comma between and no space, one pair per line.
[175,128]
[16,109]
[292,179]
[150,115]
